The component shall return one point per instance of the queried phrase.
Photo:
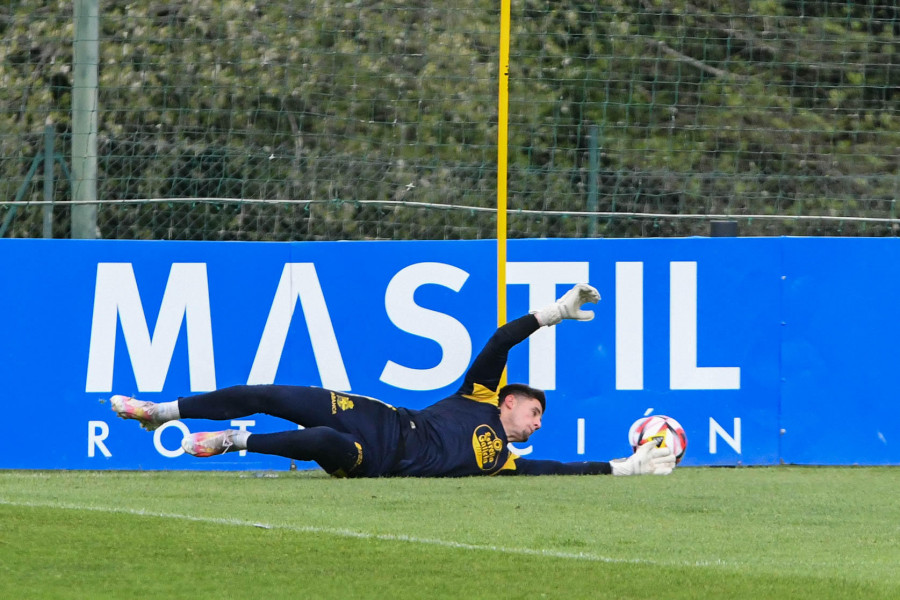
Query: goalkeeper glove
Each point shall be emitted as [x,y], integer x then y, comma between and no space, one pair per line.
[648,459]
[569,306]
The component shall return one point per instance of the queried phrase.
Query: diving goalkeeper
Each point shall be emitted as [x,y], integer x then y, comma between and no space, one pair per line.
[349,435]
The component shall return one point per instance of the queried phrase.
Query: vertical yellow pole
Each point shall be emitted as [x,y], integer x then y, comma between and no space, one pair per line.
[502,141]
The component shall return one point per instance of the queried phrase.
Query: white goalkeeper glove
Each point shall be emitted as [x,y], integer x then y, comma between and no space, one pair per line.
[648,459]
[569,306]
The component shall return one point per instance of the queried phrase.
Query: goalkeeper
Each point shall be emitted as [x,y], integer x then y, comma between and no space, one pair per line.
[348,435]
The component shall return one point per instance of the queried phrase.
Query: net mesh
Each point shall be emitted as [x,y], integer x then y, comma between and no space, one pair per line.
[230,119]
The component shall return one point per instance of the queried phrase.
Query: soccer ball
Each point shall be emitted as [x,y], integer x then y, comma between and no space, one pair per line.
[660,429]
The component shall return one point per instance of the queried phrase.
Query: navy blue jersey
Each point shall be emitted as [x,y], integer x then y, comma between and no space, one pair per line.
[455,437]
[462,434]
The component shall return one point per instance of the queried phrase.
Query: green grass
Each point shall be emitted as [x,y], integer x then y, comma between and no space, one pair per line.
[702,533]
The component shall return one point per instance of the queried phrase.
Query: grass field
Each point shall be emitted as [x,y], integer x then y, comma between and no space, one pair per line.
[783,532]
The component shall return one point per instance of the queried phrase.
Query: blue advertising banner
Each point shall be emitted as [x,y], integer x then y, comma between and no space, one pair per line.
[755,345]
[839,350]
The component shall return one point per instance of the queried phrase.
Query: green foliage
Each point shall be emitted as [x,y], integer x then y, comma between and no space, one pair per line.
[815,533]
[747,107]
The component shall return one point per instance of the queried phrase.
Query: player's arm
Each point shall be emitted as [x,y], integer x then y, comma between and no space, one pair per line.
[647,460]
[527,466]
[483,377]
[487,369]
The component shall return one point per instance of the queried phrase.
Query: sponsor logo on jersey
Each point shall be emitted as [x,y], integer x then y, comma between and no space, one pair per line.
[340,402]
[487,447]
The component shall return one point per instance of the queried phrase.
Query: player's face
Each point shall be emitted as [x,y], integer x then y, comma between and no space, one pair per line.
[522,418]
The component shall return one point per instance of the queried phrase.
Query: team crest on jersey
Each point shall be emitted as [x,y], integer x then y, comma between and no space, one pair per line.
[342,402]
[487,447]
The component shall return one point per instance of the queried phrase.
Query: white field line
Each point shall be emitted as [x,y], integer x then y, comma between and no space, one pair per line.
[388,537]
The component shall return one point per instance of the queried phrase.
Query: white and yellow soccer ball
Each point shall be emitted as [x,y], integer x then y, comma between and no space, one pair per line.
[664,431]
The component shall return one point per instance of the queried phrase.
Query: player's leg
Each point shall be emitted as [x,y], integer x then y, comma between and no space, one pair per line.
[369,422]
[338,453]
[307,406]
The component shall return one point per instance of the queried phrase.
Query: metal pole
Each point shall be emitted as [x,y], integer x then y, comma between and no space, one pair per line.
[593,203]
[502,162]
[84,117]
[49,162]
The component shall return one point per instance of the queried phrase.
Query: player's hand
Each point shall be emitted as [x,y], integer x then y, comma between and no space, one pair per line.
[648,459]
[569,306]
[570,303]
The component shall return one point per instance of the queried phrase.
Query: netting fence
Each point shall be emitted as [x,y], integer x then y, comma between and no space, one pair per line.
[231,119]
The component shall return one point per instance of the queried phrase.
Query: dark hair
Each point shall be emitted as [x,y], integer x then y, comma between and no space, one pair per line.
[519,390]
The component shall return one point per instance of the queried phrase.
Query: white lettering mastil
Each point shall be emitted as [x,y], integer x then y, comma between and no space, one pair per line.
[629,325]
[542,279]
[116,299]
[299,281]
[408,316]
[186,301]
[684,374]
